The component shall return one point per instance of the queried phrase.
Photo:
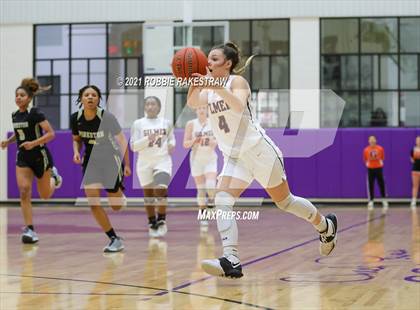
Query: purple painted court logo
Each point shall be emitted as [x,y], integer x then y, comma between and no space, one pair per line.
[352,269]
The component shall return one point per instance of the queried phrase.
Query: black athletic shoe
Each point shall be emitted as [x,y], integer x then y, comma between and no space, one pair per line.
[328,239]
[222,267]
[29,236]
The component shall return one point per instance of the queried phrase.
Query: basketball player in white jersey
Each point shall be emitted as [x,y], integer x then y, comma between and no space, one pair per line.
[248,154]
[203,159]
[153,139]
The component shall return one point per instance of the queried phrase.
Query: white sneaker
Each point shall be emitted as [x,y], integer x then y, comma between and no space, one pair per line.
[153,231]
[58,179]
[114,246]
[370,205]
[385,206]
[29,236]
[162,228]
[223,267]
[328,239]
[413,204]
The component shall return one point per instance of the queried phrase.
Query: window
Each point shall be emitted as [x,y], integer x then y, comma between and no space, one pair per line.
[72,55]
[69,56]
[268,41]
[373,64]
[205,37]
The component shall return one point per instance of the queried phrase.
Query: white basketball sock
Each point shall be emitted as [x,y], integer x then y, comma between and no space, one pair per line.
[322,226]
[226,224]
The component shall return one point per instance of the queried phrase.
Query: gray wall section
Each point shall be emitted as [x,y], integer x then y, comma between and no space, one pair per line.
[61,11]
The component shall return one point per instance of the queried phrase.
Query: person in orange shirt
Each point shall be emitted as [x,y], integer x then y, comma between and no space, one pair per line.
[415,173]
[374,156]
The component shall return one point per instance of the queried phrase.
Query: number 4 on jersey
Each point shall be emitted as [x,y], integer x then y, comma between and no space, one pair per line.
[223,125]
[157,142]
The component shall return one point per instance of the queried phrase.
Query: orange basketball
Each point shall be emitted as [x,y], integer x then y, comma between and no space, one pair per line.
[187,61]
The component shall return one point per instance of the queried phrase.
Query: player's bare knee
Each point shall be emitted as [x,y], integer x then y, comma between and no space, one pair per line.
[117,203]
[201,194]
[161,192]
[25,191]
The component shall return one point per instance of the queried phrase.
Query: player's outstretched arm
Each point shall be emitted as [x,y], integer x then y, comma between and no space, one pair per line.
[196,97]
[5,143]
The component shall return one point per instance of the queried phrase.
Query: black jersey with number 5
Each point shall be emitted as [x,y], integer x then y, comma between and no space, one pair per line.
[99,132]
[26,125]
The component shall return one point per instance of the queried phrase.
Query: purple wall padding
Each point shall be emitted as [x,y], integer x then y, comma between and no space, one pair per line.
[335,172]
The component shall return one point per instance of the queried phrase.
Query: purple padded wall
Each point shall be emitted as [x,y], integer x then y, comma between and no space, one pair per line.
[335,172]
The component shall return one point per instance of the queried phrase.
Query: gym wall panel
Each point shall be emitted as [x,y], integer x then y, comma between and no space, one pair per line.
[336,172]
[15,64]
[62,11]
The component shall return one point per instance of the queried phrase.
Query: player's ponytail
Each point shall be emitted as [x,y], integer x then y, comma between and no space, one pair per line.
[31,87]
[232,53]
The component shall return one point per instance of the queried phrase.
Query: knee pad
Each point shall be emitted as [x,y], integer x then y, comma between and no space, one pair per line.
[224,205]
[298,206]
[161,179]
[201,195]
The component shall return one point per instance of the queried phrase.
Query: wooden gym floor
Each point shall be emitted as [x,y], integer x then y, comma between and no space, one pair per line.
[376,264]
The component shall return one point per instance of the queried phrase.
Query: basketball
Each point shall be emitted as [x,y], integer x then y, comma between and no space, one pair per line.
[187,61]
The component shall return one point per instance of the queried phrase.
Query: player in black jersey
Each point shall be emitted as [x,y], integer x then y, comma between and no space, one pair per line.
[105,144]
[31,132]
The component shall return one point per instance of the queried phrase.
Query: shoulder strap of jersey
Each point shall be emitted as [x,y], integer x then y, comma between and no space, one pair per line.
[100,112]
[79,113]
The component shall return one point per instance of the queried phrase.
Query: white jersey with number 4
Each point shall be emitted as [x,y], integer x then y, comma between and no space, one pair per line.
[203,152]
[235,132]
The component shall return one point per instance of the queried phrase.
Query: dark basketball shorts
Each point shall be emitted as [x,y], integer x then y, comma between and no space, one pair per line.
[38,160]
